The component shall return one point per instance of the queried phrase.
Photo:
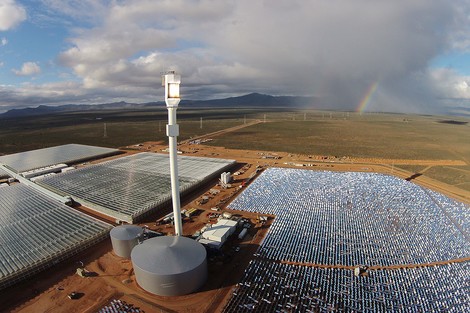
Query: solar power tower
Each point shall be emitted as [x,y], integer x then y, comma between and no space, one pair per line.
[171,83]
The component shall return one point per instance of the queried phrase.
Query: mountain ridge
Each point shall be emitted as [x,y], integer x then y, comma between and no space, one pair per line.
[248,100]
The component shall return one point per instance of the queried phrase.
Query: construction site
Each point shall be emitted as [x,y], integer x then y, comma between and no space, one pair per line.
[92,230]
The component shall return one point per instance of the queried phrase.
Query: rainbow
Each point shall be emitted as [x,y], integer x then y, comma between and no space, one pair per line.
[366,99]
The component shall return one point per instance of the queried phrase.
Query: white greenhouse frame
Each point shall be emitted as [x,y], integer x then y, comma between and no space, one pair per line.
[70,153]
[129,187]
[37,232]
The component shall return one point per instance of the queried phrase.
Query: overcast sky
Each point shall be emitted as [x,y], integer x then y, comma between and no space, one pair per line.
[416,52]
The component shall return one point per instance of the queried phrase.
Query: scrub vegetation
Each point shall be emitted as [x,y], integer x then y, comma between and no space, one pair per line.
[375,136]
[309,132]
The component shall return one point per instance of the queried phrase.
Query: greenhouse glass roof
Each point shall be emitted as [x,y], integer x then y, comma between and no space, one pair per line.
[127,187]
[3,174]
[71,153]
[36,232]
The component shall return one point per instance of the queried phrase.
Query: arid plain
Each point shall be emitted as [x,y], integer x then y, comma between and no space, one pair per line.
[431,151]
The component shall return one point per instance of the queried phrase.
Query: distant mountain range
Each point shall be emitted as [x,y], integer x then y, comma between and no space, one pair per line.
[246,101]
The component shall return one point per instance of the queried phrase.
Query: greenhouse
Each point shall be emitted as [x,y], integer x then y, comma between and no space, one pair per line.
[71,153]
[343,220]
[128,187]
[37,232]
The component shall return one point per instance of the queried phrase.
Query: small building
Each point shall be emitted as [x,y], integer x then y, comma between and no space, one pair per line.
[210,243]
[232,225]
[220,231]
[225,178]
[217,233]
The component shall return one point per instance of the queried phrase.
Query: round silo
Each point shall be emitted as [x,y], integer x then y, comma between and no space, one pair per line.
[170,266]
[124,238]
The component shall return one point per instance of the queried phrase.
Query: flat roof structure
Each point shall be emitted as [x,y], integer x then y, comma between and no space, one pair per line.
[36,232]
[220,231]
[127,188]
[327,222]
[70,153]
[210,243]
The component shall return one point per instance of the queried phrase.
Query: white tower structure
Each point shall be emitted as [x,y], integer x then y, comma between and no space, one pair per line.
[171,83]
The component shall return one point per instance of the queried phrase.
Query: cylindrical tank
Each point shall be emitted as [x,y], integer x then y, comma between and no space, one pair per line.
[124,238]
[170,266]
[242,233]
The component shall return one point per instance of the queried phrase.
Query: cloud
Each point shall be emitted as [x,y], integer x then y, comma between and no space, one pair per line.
[331,49]
[28,69]
[11,14]
[81,10]
[69,92]
[450,84]
[3,42]
[29,95]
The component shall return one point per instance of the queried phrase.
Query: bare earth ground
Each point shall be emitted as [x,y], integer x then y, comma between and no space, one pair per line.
[114,278]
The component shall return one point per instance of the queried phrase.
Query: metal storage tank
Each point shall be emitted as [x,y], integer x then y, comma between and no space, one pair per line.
[170,266]
[124,238]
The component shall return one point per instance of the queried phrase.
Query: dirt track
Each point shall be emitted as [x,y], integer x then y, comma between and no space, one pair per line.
[220,132]
[380,267]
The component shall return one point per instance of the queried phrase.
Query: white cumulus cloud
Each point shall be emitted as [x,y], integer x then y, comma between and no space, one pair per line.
[3,42]
[11,14]
[28,69]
